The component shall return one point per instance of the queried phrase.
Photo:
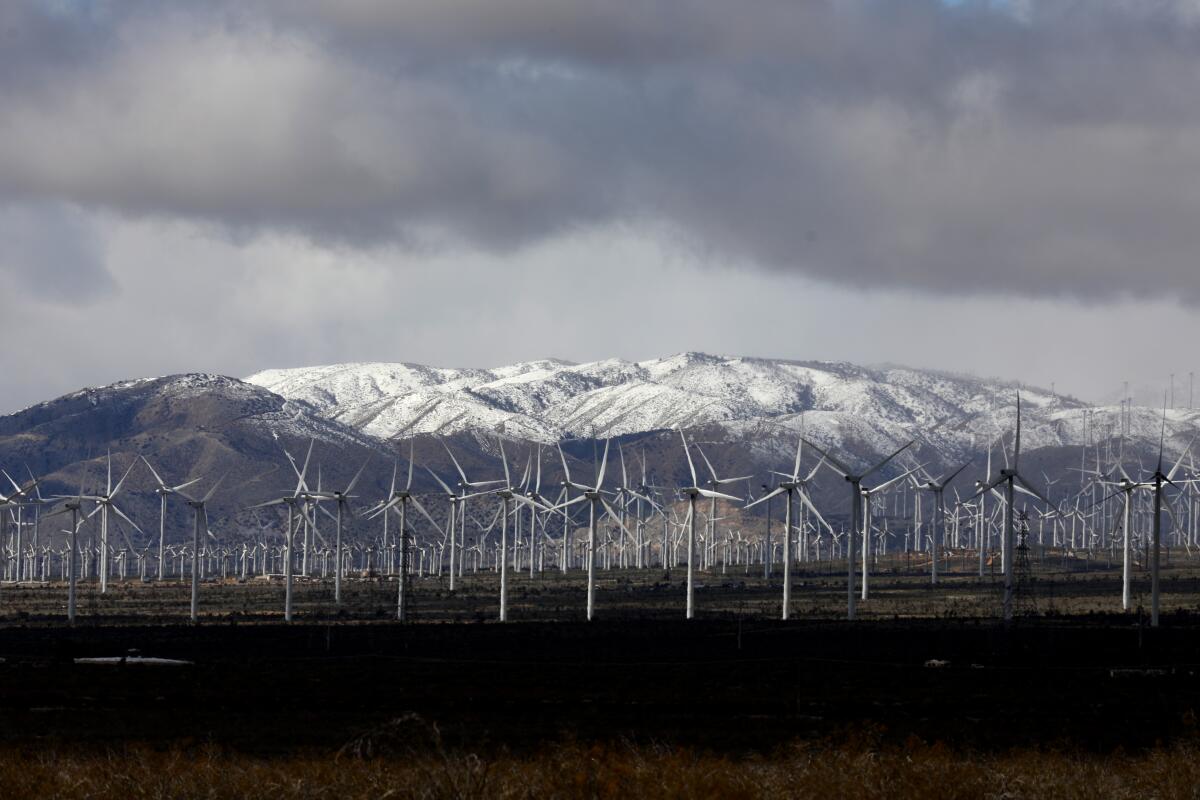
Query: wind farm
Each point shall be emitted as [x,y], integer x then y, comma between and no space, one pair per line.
[967,551]
[545,398]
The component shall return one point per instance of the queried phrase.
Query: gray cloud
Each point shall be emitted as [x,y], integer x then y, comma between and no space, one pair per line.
[53,254]
[1035,148]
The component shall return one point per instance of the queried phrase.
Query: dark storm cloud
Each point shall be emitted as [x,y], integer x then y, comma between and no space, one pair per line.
[1037,148]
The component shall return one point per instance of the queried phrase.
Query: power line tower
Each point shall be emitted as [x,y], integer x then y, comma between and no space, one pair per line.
[1024,599]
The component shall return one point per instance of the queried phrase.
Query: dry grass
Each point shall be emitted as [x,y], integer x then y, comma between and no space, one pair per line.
[858,768]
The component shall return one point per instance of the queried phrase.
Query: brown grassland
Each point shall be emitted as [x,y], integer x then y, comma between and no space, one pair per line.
[852,769]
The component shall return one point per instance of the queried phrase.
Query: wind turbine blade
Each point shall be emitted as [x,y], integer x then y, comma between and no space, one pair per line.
[1186,450]
[16,485]
[719,495]
[528,501]
[883,463]
[773,493]
[457,466]
[504,461]
[208,495]
[268,503]
[537,485]
[123,516]
[1162,435]
[125,536]
[809,503]
[304,471]
[563,458]
[408,483]
[439,481]
[708,464]
[158,479]
[953,475]
[473,495]
[686,452]
[1170,511]
[354,481]
[184,485]
[421,510]
[834,464]
[624,472]
[603,466]
[615,517]
[1021,483]
[569,503]
[1017,440]
[121,482]
[881,487]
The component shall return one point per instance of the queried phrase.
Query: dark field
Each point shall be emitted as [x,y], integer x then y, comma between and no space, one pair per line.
[639,686]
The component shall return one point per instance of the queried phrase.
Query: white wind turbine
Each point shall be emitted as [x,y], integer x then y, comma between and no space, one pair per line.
[1158,482]
[791,485]
[22,496]
[461,506]
[104,504]
[200,509]
[594,495]
[296,514]
[1011,478]
[508,494]
[867,492]
[692,493]
[162,490]
[74,505]
[938,487]
[399,501]
[342,498]
[855,481]
[715,485]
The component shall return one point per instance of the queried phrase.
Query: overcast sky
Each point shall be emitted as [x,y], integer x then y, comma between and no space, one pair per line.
[1006,188]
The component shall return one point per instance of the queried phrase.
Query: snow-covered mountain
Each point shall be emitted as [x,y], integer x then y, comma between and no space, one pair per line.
[844,405]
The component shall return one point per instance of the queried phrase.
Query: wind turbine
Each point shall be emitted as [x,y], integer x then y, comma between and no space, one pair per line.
[1157,480]
[627,494]
[342,498]
[162,491]
[74,504]
[104,504]
[20,498]
[692,493]
[867,492]
[293,503]
[463,485]
[200,509]
[508,495]
[1011,478]
[792,484]
[535,494]
[399,500]
[938,487]
[715,485]
[855,481]
[594,495]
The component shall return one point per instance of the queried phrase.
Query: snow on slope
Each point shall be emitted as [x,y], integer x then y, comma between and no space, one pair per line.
[549,399]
